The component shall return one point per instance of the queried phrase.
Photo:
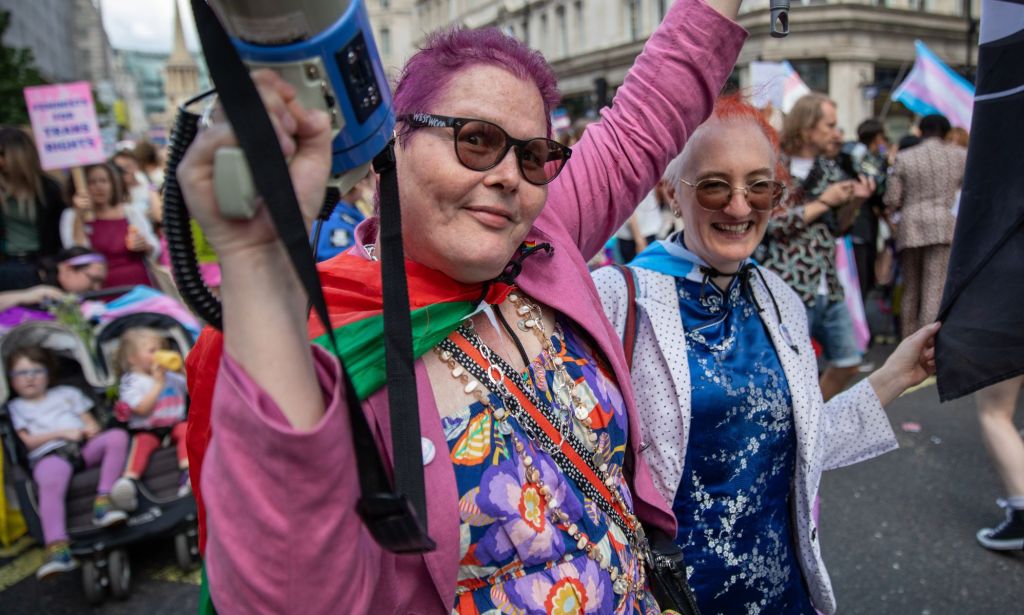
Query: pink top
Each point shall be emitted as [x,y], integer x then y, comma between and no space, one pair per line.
[124,267]
[283,533]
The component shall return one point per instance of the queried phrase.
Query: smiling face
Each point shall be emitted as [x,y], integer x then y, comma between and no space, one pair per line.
[464,223]
[81,279]
[738,152]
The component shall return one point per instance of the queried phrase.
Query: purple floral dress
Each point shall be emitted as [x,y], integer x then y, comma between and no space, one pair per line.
[514,559]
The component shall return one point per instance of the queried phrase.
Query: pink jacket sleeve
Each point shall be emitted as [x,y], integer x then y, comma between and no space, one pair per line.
[668,93]
[267,488]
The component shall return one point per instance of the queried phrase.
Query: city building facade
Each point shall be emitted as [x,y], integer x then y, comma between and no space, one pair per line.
[45,27]
[854,50]
[394,30]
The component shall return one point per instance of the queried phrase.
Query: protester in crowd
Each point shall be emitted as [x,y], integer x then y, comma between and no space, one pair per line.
[30,205]
[801,238]
[996,407]
[151,163]
[151,399]
[906,142]
[641,229]
[105,222]
[56,427]
[530,538]
[923,190]
[958,136]
[726,380]
[74,271]
[867,156]
[140,194]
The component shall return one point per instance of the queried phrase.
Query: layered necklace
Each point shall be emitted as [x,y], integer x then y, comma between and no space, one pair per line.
[562,428]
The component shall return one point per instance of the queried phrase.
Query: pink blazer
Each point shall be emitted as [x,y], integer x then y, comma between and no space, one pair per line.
[283,532]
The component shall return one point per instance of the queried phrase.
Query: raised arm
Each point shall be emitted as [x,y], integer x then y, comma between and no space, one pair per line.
[668,93]
[264,304]
[279,476]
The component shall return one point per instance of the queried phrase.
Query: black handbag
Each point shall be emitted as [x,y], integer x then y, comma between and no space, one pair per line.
[666,575]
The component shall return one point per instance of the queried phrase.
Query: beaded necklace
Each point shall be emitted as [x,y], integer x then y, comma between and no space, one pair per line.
[576,457]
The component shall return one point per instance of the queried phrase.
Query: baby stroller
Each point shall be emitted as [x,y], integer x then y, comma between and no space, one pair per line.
[101,551]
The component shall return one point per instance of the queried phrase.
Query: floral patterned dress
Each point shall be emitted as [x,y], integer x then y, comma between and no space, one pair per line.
[514,558]
[733,502]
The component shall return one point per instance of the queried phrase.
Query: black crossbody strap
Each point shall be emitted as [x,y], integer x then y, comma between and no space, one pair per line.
[394,524]
[398,353]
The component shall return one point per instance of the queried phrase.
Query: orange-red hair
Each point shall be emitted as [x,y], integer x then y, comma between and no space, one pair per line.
[735,108]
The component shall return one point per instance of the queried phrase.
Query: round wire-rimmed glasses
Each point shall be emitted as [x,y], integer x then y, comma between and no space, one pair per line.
[714,194]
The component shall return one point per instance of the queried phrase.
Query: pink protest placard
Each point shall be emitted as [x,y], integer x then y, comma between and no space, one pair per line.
[64,123]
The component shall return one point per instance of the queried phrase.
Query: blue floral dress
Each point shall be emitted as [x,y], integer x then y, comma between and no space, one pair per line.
[733,502]
[514,558]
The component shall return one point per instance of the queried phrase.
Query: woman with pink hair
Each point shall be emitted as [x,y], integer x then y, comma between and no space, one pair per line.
[535,491]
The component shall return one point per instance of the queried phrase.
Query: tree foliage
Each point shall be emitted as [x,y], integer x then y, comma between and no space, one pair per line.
[17,71]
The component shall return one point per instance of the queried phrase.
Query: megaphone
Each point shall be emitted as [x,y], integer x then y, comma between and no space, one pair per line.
[326,50]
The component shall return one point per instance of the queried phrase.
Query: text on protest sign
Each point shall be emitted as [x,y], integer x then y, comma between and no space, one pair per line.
[64,123]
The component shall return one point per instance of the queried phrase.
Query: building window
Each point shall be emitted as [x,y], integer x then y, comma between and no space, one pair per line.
[526,29]
[581,26]
[633,21]
[385,4]
[385,41]
[661,10]
[563,31]
[813,72]
[543,42]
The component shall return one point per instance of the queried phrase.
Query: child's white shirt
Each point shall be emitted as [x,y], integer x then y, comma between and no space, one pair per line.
[61,408]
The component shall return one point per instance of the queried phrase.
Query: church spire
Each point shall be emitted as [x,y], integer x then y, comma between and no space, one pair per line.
[179,53]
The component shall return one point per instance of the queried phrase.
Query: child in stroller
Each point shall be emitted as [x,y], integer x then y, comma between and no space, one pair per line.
[153,403]
[61,436]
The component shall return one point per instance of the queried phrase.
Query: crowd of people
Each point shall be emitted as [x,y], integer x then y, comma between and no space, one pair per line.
[577,415]
[63,241]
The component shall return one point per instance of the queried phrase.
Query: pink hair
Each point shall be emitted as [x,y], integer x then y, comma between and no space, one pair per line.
[448,52]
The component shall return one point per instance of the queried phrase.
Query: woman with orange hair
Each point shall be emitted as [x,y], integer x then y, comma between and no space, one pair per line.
[723,355]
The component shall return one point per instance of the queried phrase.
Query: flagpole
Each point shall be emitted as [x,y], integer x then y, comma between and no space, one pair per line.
[899,79]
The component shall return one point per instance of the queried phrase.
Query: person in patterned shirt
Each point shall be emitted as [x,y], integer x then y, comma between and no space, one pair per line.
[800,240]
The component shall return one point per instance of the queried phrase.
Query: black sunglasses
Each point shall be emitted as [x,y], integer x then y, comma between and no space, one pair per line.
[481,145]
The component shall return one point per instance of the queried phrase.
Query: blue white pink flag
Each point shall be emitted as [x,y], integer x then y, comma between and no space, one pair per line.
[776,83]
[933,87]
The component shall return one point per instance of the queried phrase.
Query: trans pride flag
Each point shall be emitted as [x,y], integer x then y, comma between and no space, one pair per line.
[776,83]
[933,87]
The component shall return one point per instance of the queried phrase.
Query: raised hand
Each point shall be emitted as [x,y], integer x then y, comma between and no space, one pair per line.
[305,138]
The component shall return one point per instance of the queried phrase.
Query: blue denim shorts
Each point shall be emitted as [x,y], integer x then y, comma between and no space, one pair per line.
[831,325]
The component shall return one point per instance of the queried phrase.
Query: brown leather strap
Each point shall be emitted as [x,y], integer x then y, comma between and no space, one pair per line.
[629,334]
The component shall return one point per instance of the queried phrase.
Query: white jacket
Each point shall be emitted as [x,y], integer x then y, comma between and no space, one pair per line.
[851,427]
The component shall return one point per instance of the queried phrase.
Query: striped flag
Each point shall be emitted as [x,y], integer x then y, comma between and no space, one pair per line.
[776,83]
[933,87]
[982,337]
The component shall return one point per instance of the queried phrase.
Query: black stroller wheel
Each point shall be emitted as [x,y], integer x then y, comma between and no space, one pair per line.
[119,567]
[93,583]
[186,550]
